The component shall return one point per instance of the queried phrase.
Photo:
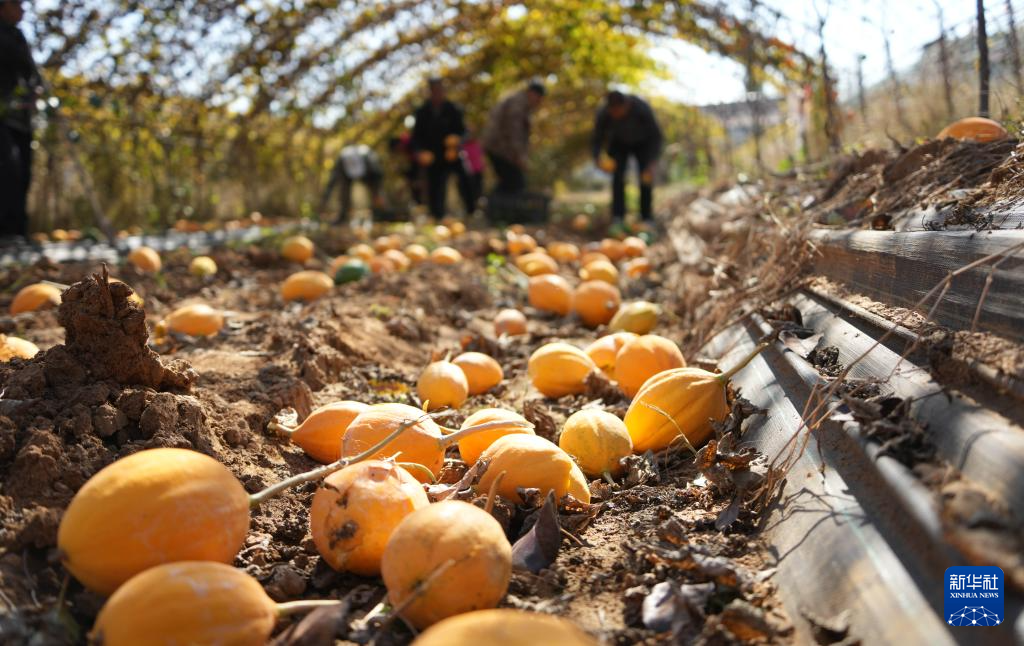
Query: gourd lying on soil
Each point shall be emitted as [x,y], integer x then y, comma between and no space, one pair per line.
[559,369]
[504,627]
[321,433]
[382,265]
[613,248]
[520,243]
[297,249]
[644,357]
[442,384]
[683,401]
[977,129]
[600,270]
[194,320]
[638,267]
[603,351]
[510,323]
[593,256]
[550,293]
[355,511]
[472,446]
[445,559]
[421,443]
[530,461]
[482,372]
[192,602]
[536,264]
[202,266]
[362,251]
[596,302]
[638,317]
[145,259]
[306,286]
[35,297]
[164,505]
[12,347]
[399,259]
[445,256]
[580,222]
[564,251]
[350,271]
[634,247]
[597,440]
[416,253]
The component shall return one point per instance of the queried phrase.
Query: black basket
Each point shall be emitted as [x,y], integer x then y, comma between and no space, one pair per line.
[518,208]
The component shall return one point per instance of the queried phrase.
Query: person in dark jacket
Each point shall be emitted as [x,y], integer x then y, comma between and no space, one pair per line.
[626,127]
[507,137]
[354,164]
[436,138]
[19,81]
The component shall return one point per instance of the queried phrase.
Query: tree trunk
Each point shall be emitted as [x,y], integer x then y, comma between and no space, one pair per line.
[984,72]
[1018,75]
[862,101]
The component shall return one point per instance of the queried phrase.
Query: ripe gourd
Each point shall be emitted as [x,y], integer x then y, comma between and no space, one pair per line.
[385,243]
[321,433]
[306,286]
[382,265]
[446,559]
[638,317]
[580,222]
[520,243]
[145,259]
[190,602]
[593,256]
[550,293]
[504,627]
[644,357]
[399,259]
[457,228]
[194,320]
[536,264]
[355,511]
[977,129]
[637,267]
[682,401]
[558,369]
[202,267]
[482,372]
[297,249]
[613,248]
[597,440]
[362,251]
[634,247]
[596,302]
[12,347]
[564,251]
[417,253]
[600,270]
[442,232]
[35,297]
[149,508]
[510,323]
[530,461]
[603,351]
[442,384]
[472,446]
[445,256]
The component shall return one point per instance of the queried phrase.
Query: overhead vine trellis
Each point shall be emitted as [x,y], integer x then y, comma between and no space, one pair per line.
[197,106]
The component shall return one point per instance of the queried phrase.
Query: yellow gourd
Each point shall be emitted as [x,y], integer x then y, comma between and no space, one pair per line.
[482,372]
[597,440]
[504,627]
[306,286]
[472,446]
[446,256]
[194,320]
[297,249]
[600,270]
[558,369]
[530,461]
[442,384]
[35,297]
[320,435]
[603,351]
[644,357]
[536,264]
[550,293]
[202,267]
[11,347]
[596,302]
[638,317]
[510,323]
[145,259]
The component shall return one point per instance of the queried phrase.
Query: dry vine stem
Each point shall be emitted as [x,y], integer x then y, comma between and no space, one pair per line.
[826,397]
[321,472]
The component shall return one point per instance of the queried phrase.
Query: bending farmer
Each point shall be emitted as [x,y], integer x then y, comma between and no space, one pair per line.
[354,164]
[507,137]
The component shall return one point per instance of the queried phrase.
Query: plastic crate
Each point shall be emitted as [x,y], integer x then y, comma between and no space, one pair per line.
[518,208]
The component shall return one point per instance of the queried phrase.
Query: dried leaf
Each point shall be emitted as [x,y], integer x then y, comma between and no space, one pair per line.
[439,492]
[640,469]
[538,548]
[795,340]
[287,417]
[318,628]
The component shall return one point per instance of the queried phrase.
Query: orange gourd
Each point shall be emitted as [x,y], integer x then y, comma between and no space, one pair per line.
[564,252]
[356,510]
[520,243]
[472,446]
[362,251]
[416,253]
[12,347]
[637,267]
[191,602]
[682,401]
[194,320]
[482,372]
[603,351]
[613,248]
[638,317]
[450,557]
[550,293]
[35,297]
[558,369]
[446,256]
[977,129]
[510,322]
[536,264]
[634,247]
[202,267]
[442,384]
[580,222]
[442,232]
[297,249]
[530,461]
[152,507]
[597,440]
[145,259]
[596,302]
[419,444]
[600,270]
[644,357]
[320,435]
[593,256]
[306,286]
[504,627]
[382,265]
[399,259]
